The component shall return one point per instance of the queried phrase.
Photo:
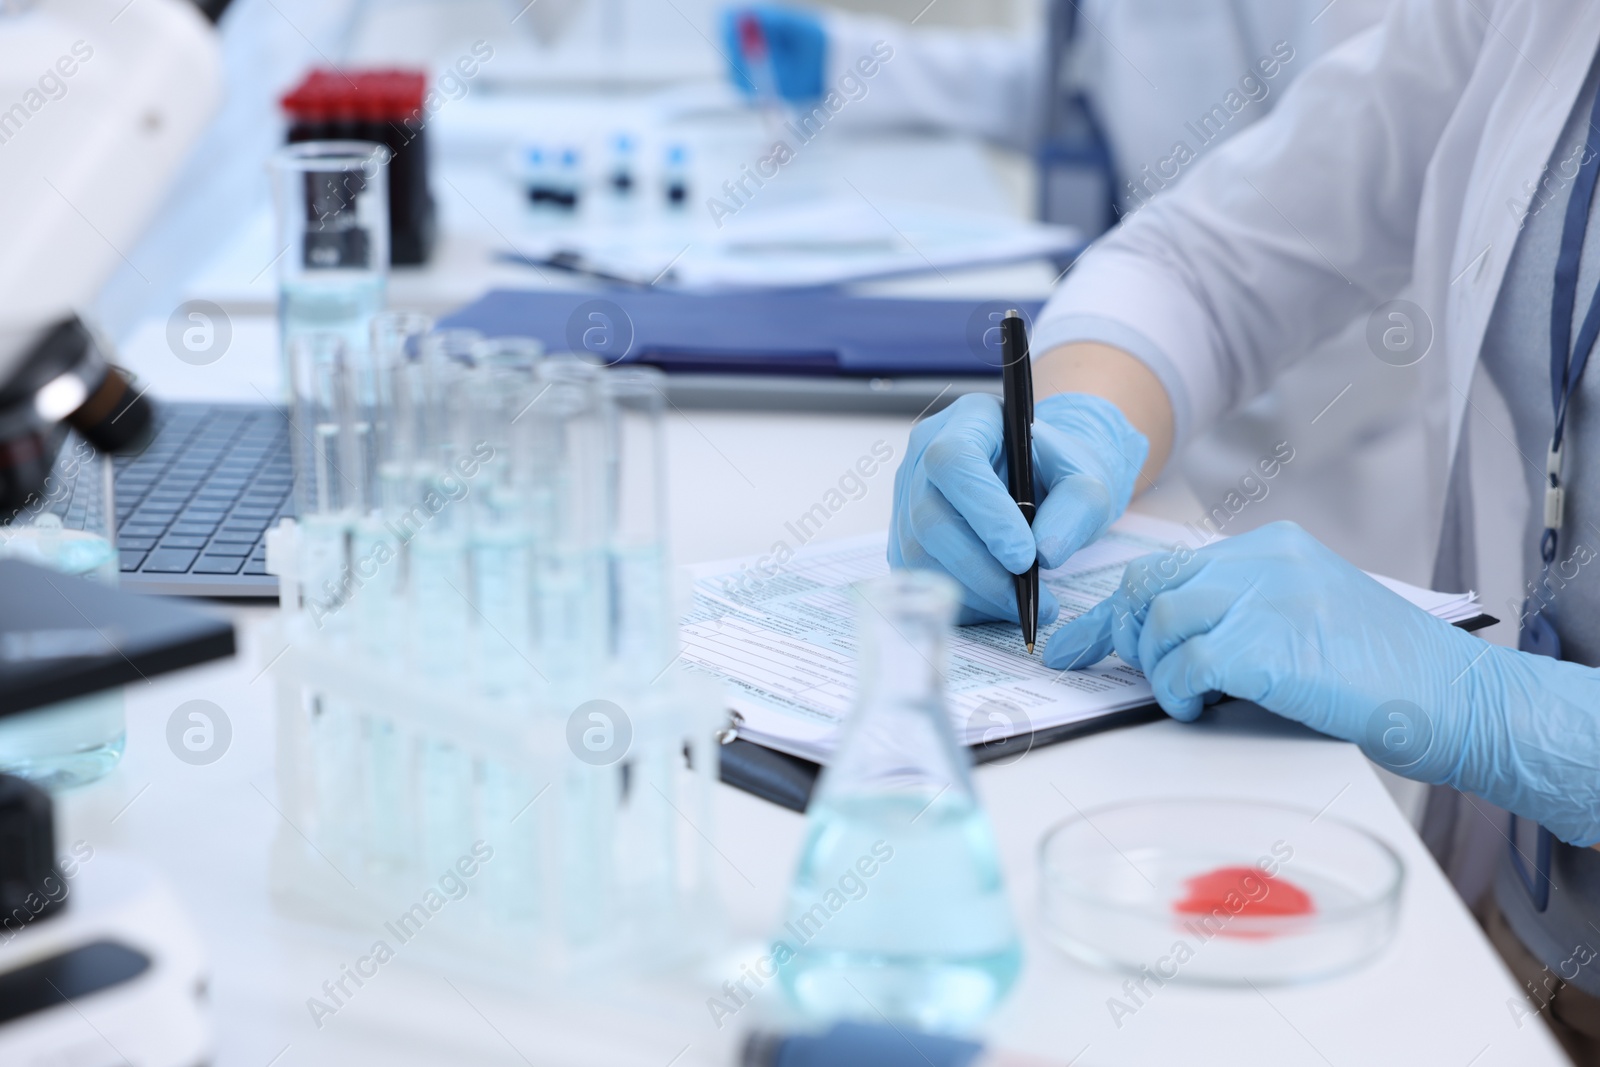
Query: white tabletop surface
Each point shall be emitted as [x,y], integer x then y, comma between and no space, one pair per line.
[1437,995]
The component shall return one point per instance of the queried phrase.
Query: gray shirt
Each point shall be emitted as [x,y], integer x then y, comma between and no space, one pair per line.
[1516,354]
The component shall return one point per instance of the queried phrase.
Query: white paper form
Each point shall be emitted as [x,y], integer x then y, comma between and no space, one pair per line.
[785,643]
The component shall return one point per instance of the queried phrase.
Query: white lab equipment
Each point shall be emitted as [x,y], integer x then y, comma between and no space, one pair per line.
[125,943]
[98,104]
[95,115]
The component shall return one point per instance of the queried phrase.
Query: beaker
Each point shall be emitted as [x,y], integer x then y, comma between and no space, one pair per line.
[332,207]
[898,908]
[68,527]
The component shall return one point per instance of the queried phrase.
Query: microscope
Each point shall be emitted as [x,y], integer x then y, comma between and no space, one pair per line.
[100,101]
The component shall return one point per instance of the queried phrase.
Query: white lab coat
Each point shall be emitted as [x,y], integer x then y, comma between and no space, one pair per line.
[1151,69]
[1399,162]
[1147,66]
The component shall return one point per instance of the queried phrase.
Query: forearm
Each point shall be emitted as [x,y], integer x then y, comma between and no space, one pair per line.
[1109,372]
[983,83]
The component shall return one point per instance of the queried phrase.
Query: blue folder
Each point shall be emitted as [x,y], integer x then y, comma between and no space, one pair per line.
[813,335]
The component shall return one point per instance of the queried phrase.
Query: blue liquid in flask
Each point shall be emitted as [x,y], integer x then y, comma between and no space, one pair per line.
[898,908]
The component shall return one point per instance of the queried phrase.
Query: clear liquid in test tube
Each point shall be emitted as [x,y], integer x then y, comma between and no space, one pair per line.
[501,398]
[379,553]
[642,638]
[397,348]
[436,522]
[329,494]
[327,482]
[570,443]
[376,550]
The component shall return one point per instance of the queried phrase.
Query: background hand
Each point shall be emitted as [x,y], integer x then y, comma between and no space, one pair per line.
[776,43]
[952,512]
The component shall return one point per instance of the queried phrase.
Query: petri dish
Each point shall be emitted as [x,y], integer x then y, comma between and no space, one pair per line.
[1225,892]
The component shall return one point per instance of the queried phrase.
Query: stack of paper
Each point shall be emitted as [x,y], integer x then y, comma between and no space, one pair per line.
[1451,607]
[783,637]
[823,243]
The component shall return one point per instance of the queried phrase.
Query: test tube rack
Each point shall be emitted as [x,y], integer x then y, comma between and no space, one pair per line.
[399,791]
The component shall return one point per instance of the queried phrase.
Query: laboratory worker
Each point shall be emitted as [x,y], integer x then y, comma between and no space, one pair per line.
[1158,85]
[1146,66]
[1446,158]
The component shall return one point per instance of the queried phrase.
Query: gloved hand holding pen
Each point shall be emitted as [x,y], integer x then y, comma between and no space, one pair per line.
[952,512]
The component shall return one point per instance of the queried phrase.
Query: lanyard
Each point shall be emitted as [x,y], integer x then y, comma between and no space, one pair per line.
[1566,371]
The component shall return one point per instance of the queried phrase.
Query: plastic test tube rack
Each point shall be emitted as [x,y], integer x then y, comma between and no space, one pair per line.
[541,736]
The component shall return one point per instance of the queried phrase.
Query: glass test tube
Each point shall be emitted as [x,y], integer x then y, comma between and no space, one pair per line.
[501,401]
[570,438]
[328,494]
[376,550]
[436,522]
[503,394]
[641,630]
[397,342]
[325,495]
[396,346]
[434,525]
[571,589]
[642,636]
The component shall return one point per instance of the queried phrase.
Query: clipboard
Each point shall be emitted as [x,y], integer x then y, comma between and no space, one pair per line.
[788,781]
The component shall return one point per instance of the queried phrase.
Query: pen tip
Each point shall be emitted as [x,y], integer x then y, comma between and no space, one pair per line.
[1030,648]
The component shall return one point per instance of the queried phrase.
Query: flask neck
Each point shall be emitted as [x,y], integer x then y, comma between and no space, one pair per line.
[901,661]
[899,739]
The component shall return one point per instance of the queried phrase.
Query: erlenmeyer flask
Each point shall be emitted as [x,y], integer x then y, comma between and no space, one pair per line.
[898,908]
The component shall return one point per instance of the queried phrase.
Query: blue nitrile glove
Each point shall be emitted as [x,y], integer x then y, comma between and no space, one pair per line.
[1276,617]
[795,45]
[953,513]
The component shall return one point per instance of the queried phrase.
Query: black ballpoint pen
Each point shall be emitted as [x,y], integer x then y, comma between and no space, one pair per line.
[1016,379]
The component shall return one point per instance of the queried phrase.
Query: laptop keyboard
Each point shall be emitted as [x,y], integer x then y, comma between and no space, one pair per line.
[193,507]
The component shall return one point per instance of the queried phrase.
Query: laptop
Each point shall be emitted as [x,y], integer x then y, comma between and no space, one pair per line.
[193,508]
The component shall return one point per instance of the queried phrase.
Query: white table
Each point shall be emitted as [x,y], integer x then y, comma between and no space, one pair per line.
[1438,995]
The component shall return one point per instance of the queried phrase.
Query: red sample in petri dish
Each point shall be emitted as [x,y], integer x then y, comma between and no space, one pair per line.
[1242,891]
[1230,891]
